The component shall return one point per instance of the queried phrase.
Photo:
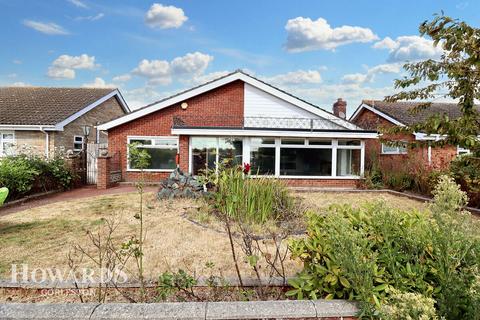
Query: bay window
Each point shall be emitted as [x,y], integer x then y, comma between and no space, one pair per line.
[282,157]
[162,151]
[7,142]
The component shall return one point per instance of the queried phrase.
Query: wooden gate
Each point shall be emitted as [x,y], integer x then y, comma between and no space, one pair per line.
[93,151]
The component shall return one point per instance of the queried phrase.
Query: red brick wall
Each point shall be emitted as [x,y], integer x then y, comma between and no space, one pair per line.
[323,183]
[441,157]
[225,103]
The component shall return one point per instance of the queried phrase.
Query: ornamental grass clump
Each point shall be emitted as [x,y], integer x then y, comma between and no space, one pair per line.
[255,201]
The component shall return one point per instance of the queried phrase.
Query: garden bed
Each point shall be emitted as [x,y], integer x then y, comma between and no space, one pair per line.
[42,237]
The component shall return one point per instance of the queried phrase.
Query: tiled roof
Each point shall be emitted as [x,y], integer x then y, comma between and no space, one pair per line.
[402,111]
[44,106]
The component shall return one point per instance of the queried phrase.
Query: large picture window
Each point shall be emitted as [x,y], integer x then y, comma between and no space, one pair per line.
[162,150]
[7,142]
[206,152]
[305,162]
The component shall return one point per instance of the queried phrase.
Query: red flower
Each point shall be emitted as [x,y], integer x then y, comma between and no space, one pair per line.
[246,168]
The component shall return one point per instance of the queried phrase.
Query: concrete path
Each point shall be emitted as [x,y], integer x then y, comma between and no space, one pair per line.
[78,193]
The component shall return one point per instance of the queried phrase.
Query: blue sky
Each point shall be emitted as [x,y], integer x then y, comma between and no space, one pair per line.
[319,50]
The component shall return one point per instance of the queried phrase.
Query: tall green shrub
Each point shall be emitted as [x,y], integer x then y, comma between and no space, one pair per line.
[25,174]
[466,171]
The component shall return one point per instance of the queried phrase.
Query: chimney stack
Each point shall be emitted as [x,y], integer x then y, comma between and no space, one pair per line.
[340,108]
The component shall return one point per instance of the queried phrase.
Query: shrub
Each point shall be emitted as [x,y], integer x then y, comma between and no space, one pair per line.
[408,306]
[24,174]
[369,253]
[466,171]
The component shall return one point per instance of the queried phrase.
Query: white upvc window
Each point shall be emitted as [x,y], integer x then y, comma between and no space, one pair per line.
[295,158]
[461,151]
[163,152]
[387,149]
[78,143]
[7,143]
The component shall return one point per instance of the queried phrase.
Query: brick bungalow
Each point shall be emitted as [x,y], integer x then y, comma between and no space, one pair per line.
[42,120]
[375,115]
[242,118]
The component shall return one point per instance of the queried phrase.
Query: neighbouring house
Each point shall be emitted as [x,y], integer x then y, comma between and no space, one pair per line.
[242,118]
[42,120]
[375,115]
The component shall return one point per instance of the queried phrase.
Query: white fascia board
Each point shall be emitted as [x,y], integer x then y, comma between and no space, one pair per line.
[218,83]
[419,136]
[91,106]
[274,133]
[377,112]
[27,127]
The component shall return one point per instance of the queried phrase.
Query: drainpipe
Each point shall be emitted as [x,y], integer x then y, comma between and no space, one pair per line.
[47,142]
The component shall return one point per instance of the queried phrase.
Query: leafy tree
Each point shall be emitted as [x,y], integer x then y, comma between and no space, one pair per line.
[456,74]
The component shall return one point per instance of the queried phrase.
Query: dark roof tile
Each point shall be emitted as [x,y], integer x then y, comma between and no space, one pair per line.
[403,111]
[44,106]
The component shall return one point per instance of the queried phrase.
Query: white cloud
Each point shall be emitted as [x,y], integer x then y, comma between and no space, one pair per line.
[78,3]
[298,77]
[12,75]
[325,95]
[385,43]
[157,71]
[64,66]
[304,34]
[90,18]
[49,28]
[165,17]
[58,73]
[122,78]
[409,48]
[137,98]
[98,83]
[20,84]
[160,72]
[17,61]
[200,79]
[191,63]
[369,76]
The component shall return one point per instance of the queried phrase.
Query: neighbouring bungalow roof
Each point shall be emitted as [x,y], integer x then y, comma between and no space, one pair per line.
[42,106]
[228,78]
[403,111]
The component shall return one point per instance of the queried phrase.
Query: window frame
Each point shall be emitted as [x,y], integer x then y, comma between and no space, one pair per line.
[217,146]
[397,150]
[129,138]
[75,142]
[2,141]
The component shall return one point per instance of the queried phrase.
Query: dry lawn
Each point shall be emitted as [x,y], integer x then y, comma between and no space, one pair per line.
[43,236]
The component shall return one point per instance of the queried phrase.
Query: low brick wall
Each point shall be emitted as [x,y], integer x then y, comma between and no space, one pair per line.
[286,309]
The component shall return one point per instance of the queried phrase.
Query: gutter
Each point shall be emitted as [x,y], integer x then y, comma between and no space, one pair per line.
[47,143]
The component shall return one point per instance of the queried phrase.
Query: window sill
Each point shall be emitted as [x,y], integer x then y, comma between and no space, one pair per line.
[151,170]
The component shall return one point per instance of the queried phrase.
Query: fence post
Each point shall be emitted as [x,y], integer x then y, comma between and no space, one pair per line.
[103,172]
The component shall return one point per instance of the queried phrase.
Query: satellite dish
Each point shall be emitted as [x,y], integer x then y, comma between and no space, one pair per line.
[342,114]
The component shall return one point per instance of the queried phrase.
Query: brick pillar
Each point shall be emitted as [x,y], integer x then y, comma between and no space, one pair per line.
[103,172]
[183,151]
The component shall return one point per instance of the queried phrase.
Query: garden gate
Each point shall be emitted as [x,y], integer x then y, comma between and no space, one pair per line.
[93,151]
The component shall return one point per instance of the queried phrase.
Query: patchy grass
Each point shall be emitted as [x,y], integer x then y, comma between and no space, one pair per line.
[43,236]
[322,200]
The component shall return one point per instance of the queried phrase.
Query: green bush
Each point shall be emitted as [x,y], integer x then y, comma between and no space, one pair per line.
[24,175]
[466,171]
[408,306]
[369,253]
